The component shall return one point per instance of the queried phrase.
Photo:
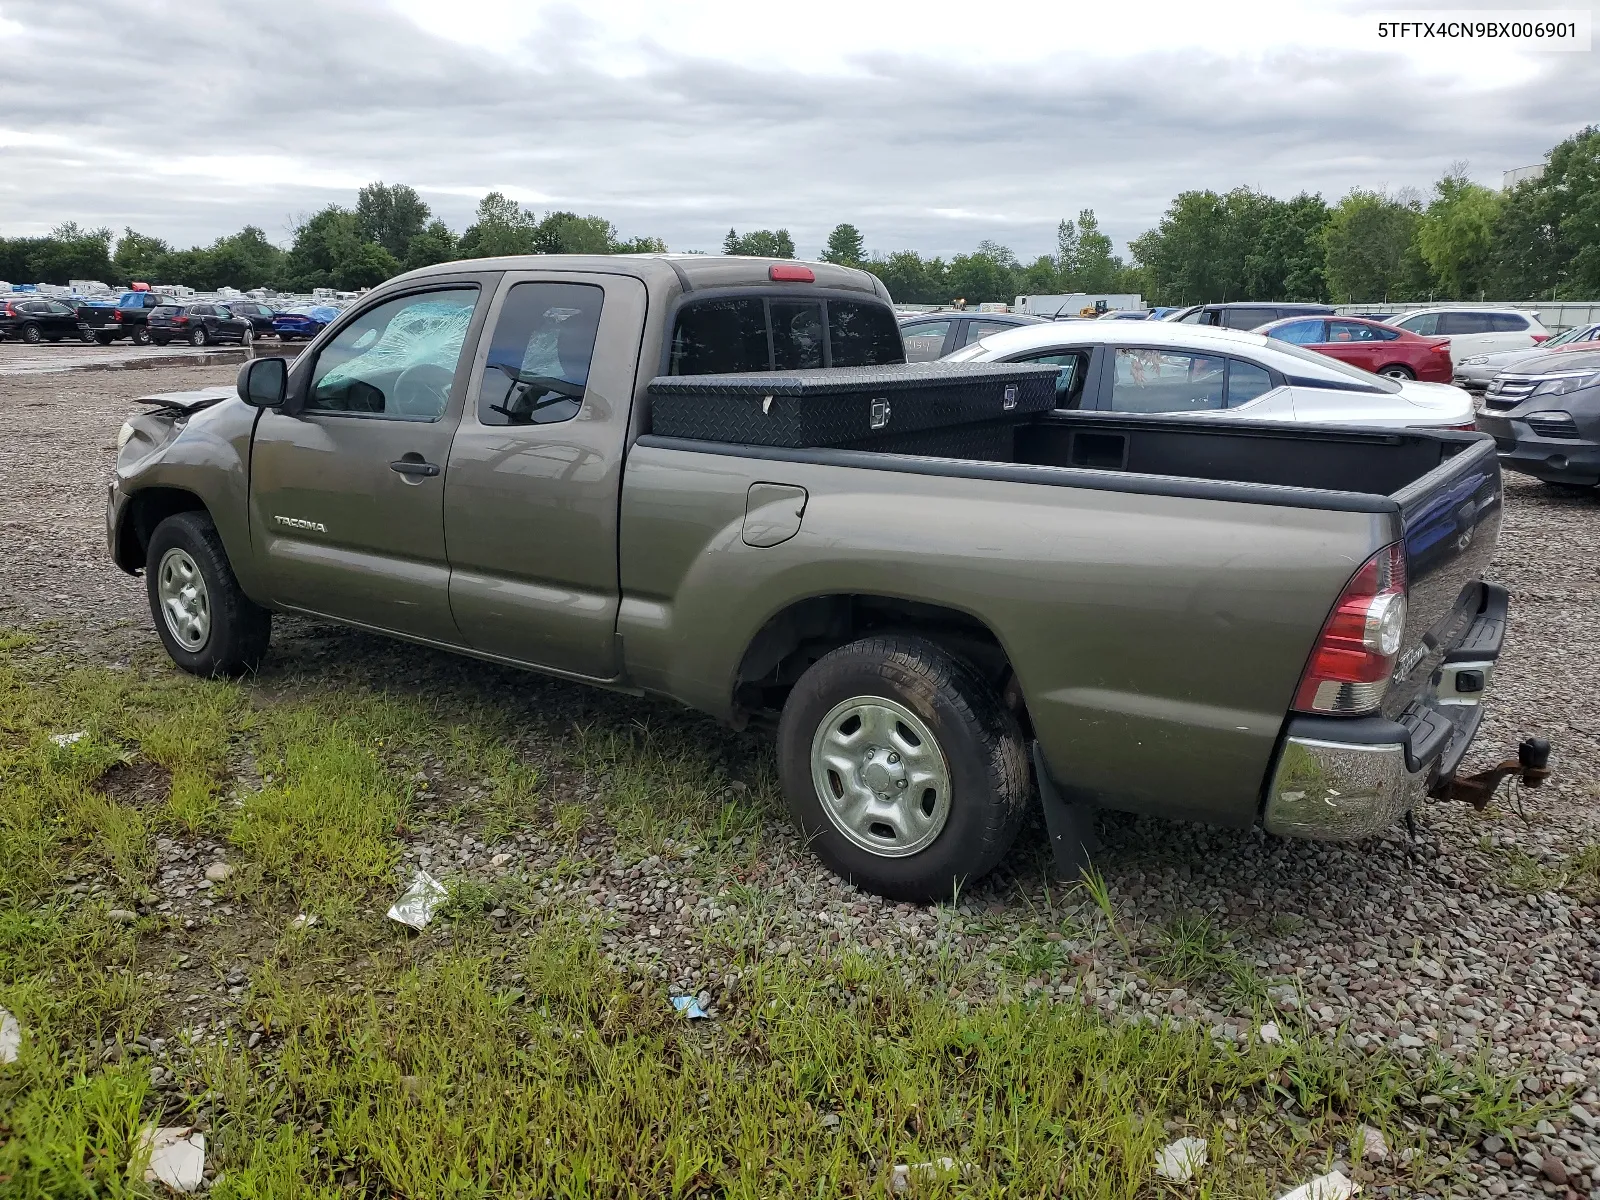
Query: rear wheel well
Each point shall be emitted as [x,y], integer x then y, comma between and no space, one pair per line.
[146,510]
[787,645]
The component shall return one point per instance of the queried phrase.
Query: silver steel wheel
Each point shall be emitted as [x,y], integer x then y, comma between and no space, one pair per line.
[1397,373]
[248,337]
[881,776]
[185,603]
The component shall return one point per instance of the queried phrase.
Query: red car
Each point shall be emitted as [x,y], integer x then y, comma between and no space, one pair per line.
[1370,345]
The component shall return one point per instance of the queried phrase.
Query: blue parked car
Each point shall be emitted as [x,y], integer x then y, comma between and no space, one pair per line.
[304,322]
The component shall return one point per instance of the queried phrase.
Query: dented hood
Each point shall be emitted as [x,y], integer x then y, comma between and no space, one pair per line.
[190,401]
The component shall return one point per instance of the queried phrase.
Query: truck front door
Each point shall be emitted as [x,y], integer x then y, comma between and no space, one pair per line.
[347,497]
[531,494]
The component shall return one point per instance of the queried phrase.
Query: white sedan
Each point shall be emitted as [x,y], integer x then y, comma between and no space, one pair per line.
[1188,370]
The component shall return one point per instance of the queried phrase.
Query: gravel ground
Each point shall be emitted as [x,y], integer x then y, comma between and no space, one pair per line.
[1440,941]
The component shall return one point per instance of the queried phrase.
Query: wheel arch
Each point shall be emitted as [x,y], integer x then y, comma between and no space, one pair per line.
[804,630]
[145,510]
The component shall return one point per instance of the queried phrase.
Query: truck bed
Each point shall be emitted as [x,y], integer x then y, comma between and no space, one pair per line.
[1157,584]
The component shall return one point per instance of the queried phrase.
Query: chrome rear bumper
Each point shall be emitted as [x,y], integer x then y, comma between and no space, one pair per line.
[1338,779]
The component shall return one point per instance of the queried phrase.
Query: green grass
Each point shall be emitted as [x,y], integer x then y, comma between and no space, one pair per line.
[472,1062]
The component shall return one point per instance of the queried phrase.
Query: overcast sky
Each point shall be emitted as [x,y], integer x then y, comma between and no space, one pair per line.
[930,125]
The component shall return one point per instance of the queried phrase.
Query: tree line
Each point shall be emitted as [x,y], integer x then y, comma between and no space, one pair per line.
[1539,240]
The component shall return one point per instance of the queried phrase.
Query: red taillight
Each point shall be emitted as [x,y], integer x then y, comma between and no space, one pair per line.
[1540,337]
[780,273]
[1351,664]
[11,310]
[180,320]
[1442,348]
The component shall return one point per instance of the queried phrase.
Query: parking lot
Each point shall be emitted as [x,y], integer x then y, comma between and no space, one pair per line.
[1477,938]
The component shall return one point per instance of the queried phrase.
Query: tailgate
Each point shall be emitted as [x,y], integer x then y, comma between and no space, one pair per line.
[1451,519]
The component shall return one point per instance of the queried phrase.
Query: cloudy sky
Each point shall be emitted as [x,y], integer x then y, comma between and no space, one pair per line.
[929,125]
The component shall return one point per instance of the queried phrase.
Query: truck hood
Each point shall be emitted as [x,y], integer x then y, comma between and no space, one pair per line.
[189,402]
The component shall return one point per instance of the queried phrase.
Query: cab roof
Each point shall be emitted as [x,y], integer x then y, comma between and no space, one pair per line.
[687,272]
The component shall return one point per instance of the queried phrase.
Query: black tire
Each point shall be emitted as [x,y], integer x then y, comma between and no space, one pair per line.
[1397,371]
[31,335]
[103,338]
[238,629]
[198,336]
[161,339]
[86,336]
[247,338]
[978,736]
[141,335]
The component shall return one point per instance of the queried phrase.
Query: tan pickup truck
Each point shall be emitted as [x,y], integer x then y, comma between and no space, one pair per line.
[1274,624]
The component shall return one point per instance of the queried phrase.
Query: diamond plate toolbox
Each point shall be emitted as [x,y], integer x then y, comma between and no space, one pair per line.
[846,405]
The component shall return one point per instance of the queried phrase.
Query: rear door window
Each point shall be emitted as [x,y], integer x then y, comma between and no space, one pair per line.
[860,335]
[1508,323]
[538,365]
[1301,333]
[1465,322]
[1247,318]
[1427,324]
[924,341]
[716,337]
[982,329]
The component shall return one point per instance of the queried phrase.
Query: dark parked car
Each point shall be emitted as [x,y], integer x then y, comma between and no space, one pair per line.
[1544,415]
[199,325]
[304,322]
[1370,345]
[258,314]
[127,318]
[40,321]
[1244,315]
[933,335]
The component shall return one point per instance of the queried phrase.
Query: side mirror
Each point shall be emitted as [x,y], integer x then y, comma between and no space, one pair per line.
[263,382]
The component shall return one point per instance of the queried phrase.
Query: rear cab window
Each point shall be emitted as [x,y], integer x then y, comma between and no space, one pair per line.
[789,331]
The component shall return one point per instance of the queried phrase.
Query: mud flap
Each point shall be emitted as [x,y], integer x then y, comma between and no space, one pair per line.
[1070,824]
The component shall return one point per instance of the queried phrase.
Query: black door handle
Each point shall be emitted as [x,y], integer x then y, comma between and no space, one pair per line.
[414,466]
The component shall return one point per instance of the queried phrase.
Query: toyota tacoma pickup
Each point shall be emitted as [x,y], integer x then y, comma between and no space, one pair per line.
[1273,624]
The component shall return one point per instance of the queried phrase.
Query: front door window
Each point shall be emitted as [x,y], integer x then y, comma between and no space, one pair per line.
[396,360]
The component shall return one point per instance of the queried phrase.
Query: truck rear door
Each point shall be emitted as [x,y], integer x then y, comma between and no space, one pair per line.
[530,496]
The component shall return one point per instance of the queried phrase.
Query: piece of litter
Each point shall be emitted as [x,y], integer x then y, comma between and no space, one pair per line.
[177,1156]
[303,921]
[418,902]
[219,872]
[939,1168]
[1269,1035]
[10,1038]
[69,739]
[689,1006]
[1332,1186]
[1372,1146]
[1182,1160]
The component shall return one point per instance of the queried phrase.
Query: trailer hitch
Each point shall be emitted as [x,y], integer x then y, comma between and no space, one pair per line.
[1531,766]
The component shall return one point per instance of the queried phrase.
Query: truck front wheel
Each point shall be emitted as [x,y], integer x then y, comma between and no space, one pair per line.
[206,622]
[904,770]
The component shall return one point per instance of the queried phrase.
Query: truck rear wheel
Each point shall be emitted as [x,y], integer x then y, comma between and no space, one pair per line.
[205,621]
[903,769]
[103,338]
[141,336]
